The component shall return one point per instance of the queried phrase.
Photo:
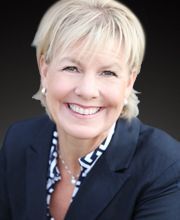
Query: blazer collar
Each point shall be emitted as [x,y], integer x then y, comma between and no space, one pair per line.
[123,144]
[103,181]
[36,176]
[103,178]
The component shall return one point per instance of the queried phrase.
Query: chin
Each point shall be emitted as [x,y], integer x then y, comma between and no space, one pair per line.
[85,133]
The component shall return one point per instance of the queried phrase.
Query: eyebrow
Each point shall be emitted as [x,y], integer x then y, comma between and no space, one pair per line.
[71,60]
[78,62]
[111,66]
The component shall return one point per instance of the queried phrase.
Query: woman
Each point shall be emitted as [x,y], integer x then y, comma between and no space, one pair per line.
[90,157]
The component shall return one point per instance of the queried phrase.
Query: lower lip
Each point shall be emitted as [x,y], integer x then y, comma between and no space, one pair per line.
[81,116]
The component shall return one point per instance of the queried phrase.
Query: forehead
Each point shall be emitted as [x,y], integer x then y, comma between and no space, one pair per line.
[81,50]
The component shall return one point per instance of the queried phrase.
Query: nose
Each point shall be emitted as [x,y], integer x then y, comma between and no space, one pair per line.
[87,87]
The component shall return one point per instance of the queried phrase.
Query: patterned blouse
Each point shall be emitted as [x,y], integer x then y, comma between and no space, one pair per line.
[86,163]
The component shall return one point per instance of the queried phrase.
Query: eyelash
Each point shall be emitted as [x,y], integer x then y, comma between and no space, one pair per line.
[109,73]
[106,73]
[70,69]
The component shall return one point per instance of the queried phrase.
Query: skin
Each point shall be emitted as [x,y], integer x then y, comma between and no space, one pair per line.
[85,97]
[90,83]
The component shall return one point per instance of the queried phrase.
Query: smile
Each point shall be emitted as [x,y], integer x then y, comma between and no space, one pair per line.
[84,111]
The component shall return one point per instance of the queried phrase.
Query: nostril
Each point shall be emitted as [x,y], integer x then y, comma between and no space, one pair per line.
[87,91]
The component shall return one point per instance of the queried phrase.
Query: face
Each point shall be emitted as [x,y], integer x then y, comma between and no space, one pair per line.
[85,94]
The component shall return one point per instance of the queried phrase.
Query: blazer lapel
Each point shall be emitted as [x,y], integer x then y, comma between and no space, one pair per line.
[108,175]
[96,192]
[37,165]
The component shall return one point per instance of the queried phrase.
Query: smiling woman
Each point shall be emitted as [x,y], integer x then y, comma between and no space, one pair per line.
[76,87]
[89,157]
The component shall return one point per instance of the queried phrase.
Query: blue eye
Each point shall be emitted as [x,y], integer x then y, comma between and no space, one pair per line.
[70,69]
[108,73]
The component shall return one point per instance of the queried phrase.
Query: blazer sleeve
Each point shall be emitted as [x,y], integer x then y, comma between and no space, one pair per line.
[4,201]
[161,201]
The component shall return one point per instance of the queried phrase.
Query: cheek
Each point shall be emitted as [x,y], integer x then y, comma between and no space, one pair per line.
[57,88]
[56,94]
[116,95]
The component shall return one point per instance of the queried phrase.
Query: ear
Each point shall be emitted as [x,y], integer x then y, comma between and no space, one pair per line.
[130,82]
[43,70]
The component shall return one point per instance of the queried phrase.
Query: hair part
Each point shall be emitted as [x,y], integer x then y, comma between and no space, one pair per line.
[93,22]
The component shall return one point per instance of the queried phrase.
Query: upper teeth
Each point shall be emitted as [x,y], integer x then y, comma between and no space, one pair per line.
[83,111]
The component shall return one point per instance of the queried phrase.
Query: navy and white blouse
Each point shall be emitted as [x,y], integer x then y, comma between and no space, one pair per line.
[86,163]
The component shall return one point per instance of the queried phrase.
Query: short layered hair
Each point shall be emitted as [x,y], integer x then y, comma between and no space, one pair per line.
[96,23]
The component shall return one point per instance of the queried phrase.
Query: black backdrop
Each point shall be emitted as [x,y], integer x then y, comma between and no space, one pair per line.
[159,81]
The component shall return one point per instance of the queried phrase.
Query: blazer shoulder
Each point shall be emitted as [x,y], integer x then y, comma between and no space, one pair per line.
[26,129]
[158,145]
[157,137]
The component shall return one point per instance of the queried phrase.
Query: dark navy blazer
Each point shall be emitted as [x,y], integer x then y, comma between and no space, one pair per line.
[137,178]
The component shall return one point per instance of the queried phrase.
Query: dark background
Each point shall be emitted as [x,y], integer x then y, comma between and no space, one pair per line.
[159,81]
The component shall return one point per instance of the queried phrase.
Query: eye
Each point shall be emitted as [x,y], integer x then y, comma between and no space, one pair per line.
[70,69]
[108,73]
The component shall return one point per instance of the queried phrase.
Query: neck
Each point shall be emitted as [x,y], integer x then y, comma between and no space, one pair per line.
[71,148]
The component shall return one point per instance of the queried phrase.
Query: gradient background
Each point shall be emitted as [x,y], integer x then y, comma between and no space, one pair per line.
[159,81]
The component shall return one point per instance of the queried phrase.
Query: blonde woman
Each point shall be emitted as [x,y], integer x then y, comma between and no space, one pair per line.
[89,157]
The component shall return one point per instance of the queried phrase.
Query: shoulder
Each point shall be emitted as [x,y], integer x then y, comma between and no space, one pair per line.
[25,130]
[139,140]
[145,137]
[158,142]
[145,148]
[30,122]
[156,152]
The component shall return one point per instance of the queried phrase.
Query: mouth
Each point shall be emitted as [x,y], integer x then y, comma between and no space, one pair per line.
[83,110]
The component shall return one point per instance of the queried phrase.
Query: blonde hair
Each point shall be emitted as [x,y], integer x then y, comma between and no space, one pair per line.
[98,21]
